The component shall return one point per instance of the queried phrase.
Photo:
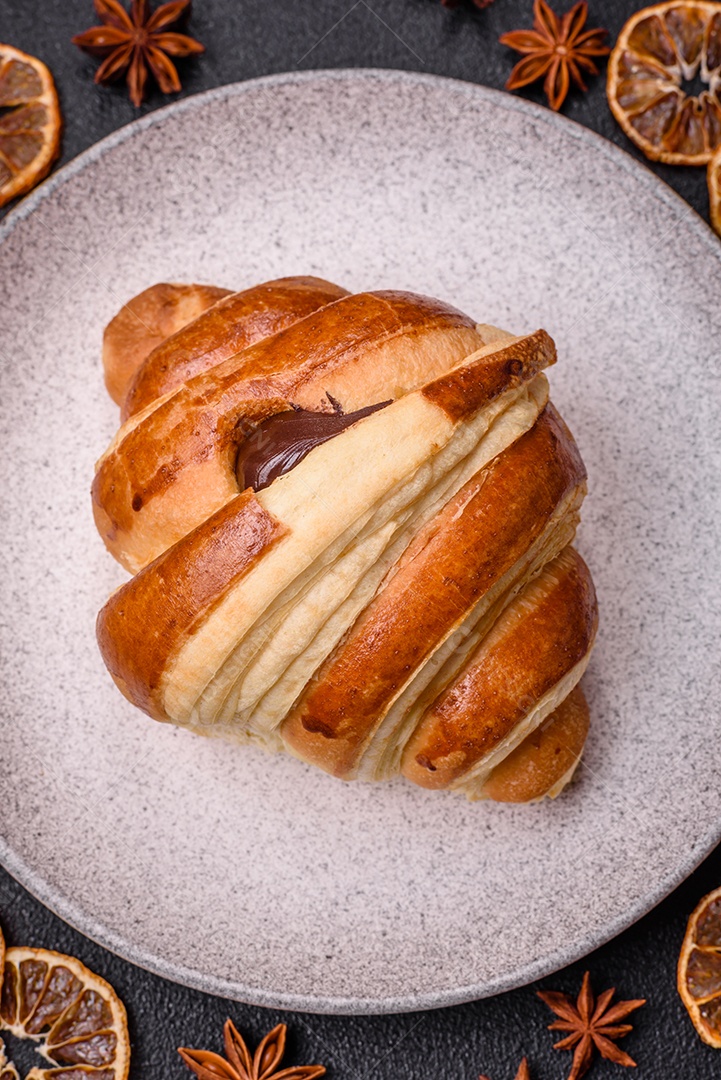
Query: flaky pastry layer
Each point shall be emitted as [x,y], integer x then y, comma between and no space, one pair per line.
[405,598]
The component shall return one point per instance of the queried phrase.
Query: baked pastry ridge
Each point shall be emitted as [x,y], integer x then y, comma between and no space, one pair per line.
[349,519]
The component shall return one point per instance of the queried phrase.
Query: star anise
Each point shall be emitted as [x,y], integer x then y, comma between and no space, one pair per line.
[241,1065]
[590,1023]
[522,1074]
[138,42]
[556,50]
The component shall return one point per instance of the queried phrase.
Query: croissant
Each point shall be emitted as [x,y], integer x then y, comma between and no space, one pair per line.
[349,519]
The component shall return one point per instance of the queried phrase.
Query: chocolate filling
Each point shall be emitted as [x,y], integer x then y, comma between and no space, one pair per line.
[282,441]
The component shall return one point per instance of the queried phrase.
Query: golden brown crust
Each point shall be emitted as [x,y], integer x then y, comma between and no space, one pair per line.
[540,637]
[470,545]
[545,757]
[167,599]
[144,323]
[175,467]
[454,669]
[465,390]
[227,328]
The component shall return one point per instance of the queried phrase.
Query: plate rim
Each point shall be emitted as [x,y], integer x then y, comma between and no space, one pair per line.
[84,922]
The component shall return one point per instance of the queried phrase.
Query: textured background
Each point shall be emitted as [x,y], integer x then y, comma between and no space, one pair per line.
[246,38]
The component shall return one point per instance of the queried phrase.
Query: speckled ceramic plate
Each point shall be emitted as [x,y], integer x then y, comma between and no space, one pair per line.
[259,878]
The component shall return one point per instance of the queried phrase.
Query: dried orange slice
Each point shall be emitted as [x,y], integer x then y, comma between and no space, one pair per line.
[30,131]
[699,969]
[659,49]
[75,1017]
[7,1069]
[714,190]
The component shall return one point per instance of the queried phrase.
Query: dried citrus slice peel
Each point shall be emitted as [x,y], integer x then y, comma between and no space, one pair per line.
[7,1069]
[714,190]
[659,49]
[75,1018]
[30,130]
[699,969]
